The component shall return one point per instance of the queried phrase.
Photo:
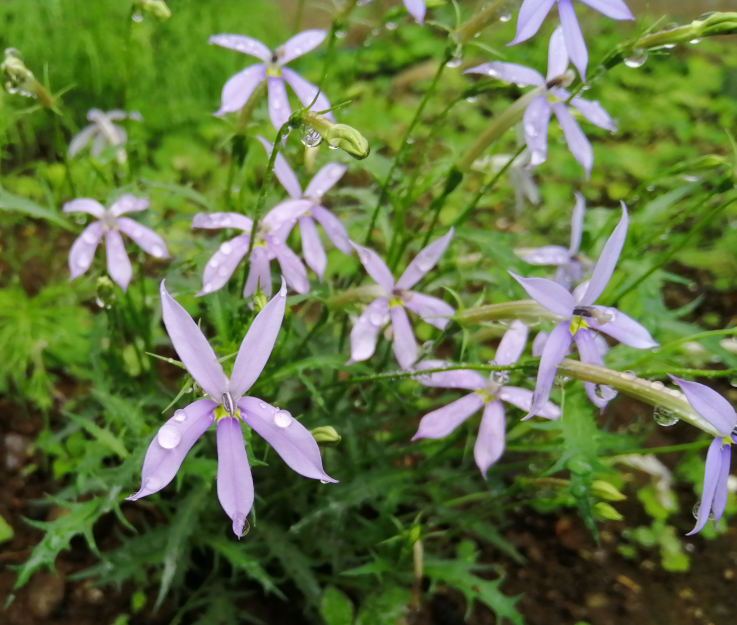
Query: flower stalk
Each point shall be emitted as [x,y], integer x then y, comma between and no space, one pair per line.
[489,14]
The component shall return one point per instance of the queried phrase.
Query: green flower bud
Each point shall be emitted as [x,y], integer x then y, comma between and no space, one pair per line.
[337,136]
[606,491]
[105,296]
[259,301]
[157,8]
[326,435]
[605,511]
[17,78]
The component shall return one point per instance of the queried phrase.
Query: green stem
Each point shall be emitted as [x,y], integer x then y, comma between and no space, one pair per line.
[298,15]
[669,347]
[528,311]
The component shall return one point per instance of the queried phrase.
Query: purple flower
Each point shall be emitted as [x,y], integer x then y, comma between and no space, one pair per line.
[570,268]
[488,395]
[312,248]
[103,133]
[553,98]
[580,317]
[397,296]
[240,86]
[533,12]
[720,414]
[111,224]
[416,8]
[270,244]
[225,406]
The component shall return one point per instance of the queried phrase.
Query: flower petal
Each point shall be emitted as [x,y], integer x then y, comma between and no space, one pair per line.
[312,248]
[425,260]
[179,434]
[557,54]
[579,211]
[458,378]
[709,404]
[522,398]
[554,352]
[238,89]
[235,482]
[259,273]
[285,212]
[333,228]
[306,91]
[624,328]
[548,294]
[512,344]
[575,44]
[722,491]
[279,108]
[241,43]
[489,445]
[416,8]
[81,139]
[143,237]
[366,329]
[432,310]
[85,205]
[594,112]
[289,438]
[118,263]
[325,179]
[538,344]
[578,143]
[405,346]
[531,16]
[300,44]
[441,422]
[375,267]
[223,263]
[292,269]
[607,261]
[129,203]
[547,255]
[712,475]
[192,347]
[216,221]
[535,122]
[589,352]
[616,9]
[258,344]
[83,249]
[509,72]
[283,171]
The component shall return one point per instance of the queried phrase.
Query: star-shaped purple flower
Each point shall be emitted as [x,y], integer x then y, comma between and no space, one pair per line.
[226,406]
[328,175]
[111,224]
[391,304]
[240,86]
[720,414]
[553,98]
[416,8]
[488,394]
[533,12]
[580,318]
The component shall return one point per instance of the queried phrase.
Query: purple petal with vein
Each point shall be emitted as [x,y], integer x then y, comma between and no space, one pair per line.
[589,352]
[416,8]
[279,109]
[624,328]
[579,210]
[425,260]
[241,43]
[83,249]
[216,221]
[575,43]
[192,347]
[85,205]
[616,9]
[333,228]
[300,44]
[512,344]
[509,72]
[306,91]
[292,269]
[489,445]
[531,16]
[405,346]
[459,378]
[375,267]
[441,422]
[522,399]
[538,344]
[535,122]
[607,261]
[259,273]
[548,294]
[178,435]
[432,310]
[577,142]
[312,248]
[118,263]
[547,255]
[722,491]
[283,171]
[712,474]
[557,54]
[709,404]
[285,212]
[143,237]
[325,179]
[366,329]
[594,112]
[129,203]
[554,352]
[289,438]
[235,482]
[239,88]
[223,263]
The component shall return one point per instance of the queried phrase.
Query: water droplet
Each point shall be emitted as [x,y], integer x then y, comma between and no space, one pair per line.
[102,303]
[664,417]
[283,419]
[157,251]
[424,263]
[226,248]
[341,34]
[505,17]
[151,483]
[241,523]
[695,41]
[658,386]
[531,130]
[89,237]
[455,61]
[695,511]
[275,104]
[669,46]
[169,436]
[492,73]
[263,405]
[637,59]
[376,318]
[223,271]
[628,375]
[83,261]
[208,288]
[411,140]
[324,482]
[310,138]
[472,99]
[180,416]
[332,147]
[391,25]
[213,263]
[137,17]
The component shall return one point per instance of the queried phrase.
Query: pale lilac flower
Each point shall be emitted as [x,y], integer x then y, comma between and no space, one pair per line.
[521,178]
[580,318]
[111,224]
[488,394]
[570,267]
[240,86]
[416,8]
[533,12]
[720,414]
[103,133]
[226,406]
[397,296]
[328,175]
[553,98]
[270,243]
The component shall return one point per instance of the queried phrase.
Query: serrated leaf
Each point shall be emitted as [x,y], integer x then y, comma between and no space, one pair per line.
[236,553]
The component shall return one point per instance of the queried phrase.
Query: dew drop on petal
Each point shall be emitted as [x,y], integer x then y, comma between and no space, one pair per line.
[263,405]
[223,271]
[83,261]
[376,318]
[213,263]
[151,483]
[283,419]
[157,251]
[226,248]
[180,415]
[424,263]
[169,436]
[324,482]
[89,237]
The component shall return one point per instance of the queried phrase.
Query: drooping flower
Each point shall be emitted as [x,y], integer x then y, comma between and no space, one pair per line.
[720,414]
[270,243]
[568,261]
[533,12]
[328,175]
[226,405]
[103,133]
[580,317]
[391,304]
[111,224]
[240,86]
[520,176]
[416,8]
[553,98]
[488,394]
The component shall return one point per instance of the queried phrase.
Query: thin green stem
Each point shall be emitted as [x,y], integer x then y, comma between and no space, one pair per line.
[669,347]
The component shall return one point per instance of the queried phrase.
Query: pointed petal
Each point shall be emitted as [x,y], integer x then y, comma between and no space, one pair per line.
[306,91]
[522,398]
[712,473]
[624,328]
[441,422]
[325,179]
[577,224]
[575,44]
[578,143]
[616,9]
[83,249]
[509,72]
[531,16]
[292,269]
[129,203]
[192,347]
[489,445]
[312,248]
[241,43]
[259,273]
[279,108]
[333,228]
[289,438]
[300,44]
[81,139]
[223,263]
[607,261]
[416,8]
[425,260]
[118,263]
[239,88]
[547,255]
[432,310]
[235,483]
[405,346]
[459,378]
[594,112]
[85,205]
[283,213]
[548,294]
[283,171]
[143,237]
[216,221]
[179,434]
[539,344]
[375,267]
[366,329]
[589,352]
[512,344]
[709,404]
[535,122]
[258,344]
[721,492]
[555,351]
[557,54]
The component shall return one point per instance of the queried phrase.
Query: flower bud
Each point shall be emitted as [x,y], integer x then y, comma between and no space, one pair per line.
[105,296]
[259,301]
[17,78]
[605,511]
[708,25]
[157,8]
[606,491]
[326,435]
[337,136]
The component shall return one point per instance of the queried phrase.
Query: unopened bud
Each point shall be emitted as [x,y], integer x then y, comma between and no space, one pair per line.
[336,136]
[326,435]
[607,512]
[606,491]
[17,78]
[105,296]
[708,25]
[157,8]
[259,301]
